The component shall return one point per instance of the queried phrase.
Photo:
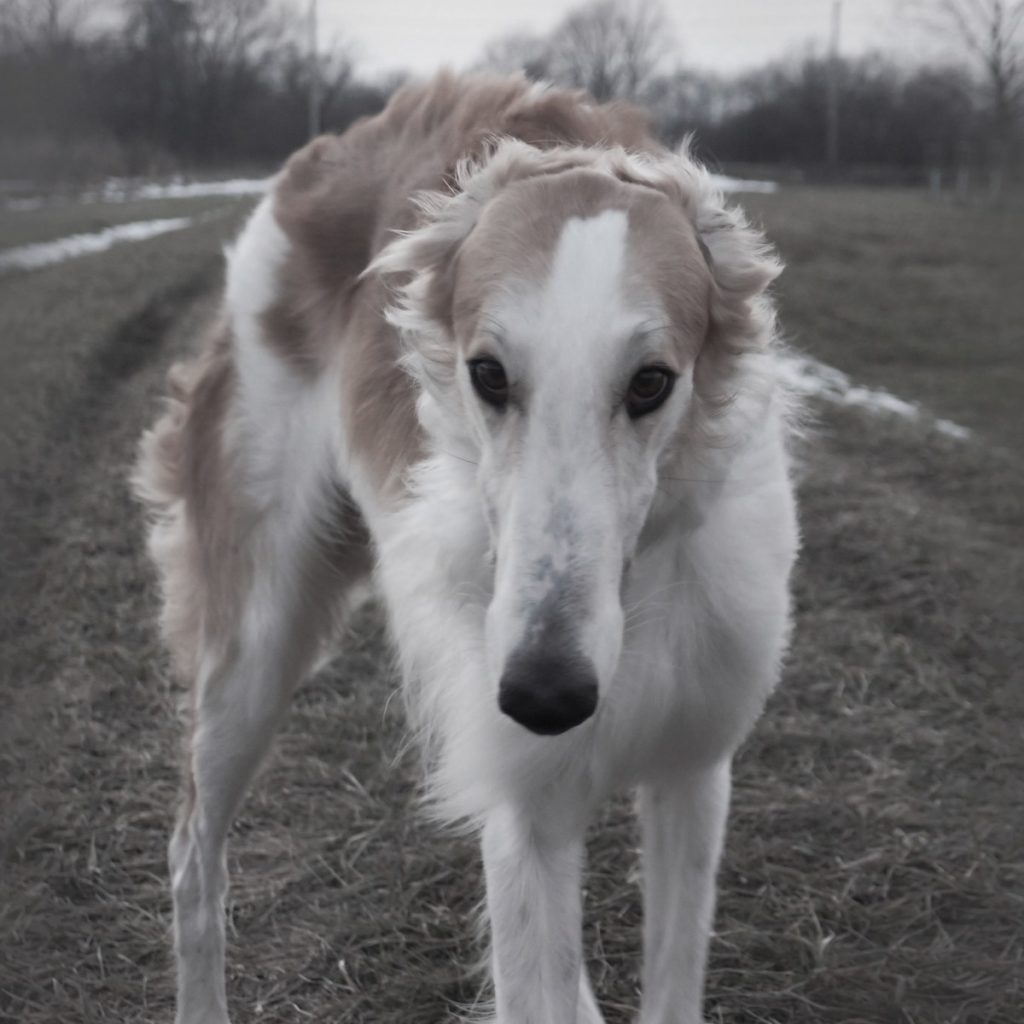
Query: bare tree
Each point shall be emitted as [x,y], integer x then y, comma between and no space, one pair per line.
[991,34]
[43,58]
[42,26]
[611,48]
[519,51]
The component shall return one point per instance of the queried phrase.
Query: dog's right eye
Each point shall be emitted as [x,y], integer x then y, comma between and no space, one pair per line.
[489,381]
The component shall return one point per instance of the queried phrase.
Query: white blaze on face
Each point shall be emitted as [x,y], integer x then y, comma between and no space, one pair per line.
[582,307]
[560,531]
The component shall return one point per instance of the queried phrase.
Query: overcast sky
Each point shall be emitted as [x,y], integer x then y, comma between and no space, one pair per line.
[728,35]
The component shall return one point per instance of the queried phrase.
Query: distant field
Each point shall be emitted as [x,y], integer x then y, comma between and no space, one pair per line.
[873,873]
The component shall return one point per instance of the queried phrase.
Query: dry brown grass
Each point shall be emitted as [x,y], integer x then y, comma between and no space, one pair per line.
[873,871]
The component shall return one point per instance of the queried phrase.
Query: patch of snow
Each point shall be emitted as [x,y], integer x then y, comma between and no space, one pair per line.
[119,190]
[881,401]
[122,190]
[42,254]
[23,205]
[727,184]
[807,376]
[951,429]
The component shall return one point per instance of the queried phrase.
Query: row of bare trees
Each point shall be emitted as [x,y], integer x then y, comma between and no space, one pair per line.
[147,84]
[614,49]
[964,108]
[893,123]
[990,35]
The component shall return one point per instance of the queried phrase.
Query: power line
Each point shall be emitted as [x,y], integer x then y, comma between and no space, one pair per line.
[832,99]
[314,74]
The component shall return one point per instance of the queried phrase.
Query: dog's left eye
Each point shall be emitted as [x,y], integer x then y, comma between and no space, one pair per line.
[648,389]
[489,381]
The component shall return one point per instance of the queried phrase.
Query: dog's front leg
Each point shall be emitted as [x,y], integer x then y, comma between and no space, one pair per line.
[683,821]
[533,900]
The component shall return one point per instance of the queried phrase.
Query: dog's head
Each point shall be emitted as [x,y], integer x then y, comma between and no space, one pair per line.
[572,317]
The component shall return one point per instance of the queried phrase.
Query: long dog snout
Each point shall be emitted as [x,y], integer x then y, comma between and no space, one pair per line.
[548,692]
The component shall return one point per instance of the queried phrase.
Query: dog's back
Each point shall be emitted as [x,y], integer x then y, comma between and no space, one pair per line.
[341,198]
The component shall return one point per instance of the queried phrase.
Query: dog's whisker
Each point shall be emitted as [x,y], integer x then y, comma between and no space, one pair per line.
[458,458]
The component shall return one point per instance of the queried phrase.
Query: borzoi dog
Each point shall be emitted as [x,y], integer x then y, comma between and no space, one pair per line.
[498,352]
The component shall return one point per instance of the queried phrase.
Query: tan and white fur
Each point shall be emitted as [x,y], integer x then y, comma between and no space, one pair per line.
[584,597]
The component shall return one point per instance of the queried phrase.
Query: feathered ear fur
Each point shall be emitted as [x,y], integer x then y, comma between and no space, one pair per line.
[734,374]
[742,320]
[421,312]
[741,261]
[450,216]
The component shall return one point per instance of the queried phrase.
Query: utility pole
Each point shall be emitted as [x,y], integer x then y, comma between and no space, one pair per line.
[314,75]
[832,97]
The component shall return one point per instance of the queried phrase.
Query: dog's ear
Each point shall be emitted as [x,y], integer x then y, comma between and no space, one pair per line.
[741,314]
[449,216]
[743,264]
[423,261]
[741,261]
[742,324]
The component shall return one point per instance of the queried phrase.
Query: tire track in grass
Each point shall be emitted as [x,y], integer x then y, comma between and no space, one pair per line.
[87,744]
[70,431]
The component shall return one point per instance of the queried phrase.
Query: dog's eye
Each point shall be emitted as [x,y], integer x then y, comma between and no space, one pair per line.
[489,381]
[649,387]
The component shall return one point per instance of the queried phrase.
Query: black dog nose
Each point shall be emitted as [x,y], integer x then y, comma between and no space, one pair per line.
[548,693]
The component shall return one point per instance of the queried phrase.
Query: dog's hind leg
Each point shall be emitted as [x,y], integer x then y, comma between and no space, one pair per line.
[683,821]
[533,866]
[241,696]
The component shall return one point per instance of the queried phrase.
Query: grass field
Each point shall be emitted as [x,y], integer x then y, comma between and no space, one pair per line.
[873,872]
